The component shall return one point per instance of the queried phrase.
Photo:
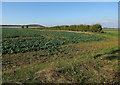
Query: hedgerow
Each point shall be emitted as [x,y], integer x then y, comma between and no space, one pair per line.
[83,28]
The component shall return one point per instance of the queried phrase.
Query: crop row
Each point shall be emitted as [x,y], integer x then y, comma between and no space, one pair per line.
[44,40]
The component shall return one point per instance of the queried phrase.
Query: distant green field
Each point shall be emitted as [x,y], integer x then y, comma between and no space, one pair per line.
[111,32]
[36,56]
[112,29]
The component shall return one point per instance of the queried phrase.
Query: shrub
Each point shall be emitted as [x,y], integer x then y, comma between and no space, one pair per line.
[22,26]
[81,27]
[64,27]
[73,27]
[96,28]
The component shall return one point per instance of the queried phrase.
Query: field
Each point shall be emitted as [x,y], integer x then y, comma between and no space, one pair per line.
[38,56]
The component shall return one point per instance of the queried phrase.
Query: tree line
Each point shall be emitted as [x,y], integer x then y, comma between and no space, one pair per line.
[83,28]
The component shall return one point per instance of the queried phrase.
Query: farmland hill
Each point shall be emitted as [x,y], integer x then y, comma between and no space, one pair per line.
[32,26]
[20,26]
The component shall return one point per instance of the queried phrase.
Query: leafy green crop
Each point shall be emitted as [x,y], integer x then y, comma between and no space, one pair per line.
[41,40]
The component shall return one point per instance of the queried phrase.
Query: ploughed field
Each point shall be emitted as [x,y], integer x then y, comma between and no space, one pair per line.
[37,56]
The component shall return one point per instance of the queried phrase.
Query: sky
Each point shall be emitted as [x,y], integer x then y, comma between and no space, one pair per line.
[60,13]
[60,0]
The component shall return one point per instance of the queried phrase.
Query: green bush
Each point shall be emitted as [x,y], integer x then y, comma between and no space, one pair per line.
[22,26]
[83,28]
[73,27]
[96,28]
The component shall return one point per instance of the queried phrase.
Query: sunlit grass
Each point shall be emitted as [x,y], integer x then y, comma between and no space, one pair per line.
[85,62]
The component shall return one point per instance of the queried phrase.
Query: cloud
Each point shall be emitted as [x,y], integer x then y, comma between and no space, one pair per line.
[112,23]
[105,21]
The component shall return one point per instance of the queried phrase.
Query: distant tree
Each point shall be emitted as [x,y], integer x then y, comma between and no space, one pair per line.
[73,27]
[22,26]
[96,28]
[57,27]
[27,26]
[65,26]
[81,27]
[86,28]
[77,27]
